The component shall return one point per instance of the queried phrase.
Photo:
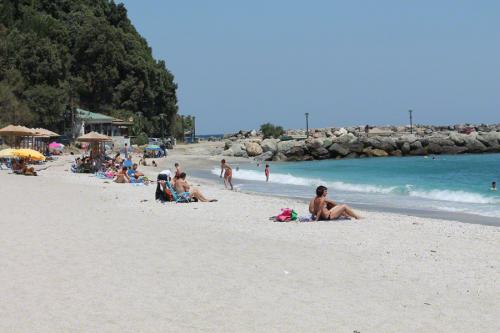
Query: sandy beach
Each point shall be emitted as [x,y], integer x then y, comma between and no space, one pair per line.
[81,254]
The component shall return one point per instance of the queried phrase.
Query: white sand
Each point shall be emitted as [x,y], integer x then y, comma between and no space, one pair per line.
[81,255]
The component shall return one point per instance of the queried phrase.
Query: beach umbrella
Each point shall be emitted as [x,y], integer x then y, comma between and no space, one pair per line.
[15,130]
[44,132]
[56,145]
[94,137]
[29,153]
[152,147]
[7,153]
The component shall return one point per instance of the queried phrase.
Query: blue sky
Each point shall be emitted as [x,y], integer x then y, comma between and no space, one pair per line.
[239,64]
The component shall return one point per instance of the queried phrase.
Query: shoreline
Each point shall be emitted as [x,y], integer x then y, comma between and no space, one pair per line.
[201,169]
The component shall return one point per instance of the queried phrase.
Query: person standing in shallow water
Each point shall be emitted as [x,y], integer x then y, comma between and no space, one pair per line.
[493,186]
[228,173]
[266,172]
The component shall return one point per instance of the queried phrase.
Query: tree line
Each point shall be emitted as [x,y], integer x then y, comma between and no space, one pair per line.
[56,55]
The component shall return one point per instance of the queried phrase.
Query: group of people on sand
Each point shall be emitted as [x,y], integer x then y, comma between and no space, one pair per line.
[169,188]
[124,171]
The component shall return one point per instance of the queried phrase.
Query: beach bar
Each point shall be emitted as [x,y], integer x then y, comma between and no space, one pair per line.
[116,129]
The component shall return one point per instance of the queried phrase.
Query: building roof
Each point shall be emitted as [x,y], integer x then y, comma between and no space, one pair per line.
[93,117]
[99,118]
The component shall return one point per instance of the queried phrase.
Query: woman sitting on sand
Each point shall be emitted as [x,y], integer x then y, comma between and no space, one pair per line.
[183,189]
[324,209]
[122,176]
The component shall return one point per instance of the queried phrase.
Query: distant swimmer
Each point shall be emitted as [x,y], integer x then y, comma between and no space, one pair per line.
[493,186]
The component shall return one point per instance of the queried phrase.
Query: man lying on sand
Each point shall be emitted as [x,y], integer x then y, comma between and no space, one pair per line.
[324,209]
[182,188]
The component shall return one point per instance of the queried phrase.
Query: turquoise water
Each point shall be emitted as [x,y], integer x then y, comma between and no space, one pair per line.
[459,183]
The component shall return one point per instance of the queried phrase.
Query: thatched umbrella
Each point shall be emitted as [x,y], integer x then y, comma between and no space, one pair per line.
[96,141]
[16,131]
[94,137]
[42,138]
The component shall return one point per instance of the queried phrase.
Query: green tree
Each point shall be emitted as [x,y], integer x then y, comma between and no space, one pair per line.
[271,131]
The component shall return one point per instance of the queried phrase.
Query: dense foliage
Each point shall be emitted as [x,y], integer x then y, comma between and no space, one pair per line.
[59,54]
[271,131]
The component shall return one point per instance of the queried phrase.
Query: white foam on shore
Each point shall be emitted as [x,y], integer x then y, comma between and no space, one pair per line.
[289,179]
[408,190]
[455,196]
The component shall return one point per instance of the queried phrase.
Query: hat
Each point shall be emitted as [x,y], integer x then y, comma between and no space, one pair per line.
[166,172]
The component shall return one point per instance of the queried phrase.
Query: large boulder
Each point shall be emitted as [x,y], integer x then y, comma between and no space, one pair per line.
[279,157]
[345,138]
[489,139]
[434,148]
[285,146]
[253,149]
[267,156]
[440,141]
[452,150]
[228,144]
[356,147]
[457,138]
[416,148]
[382,143]
[313,144]
[238,150]
[340,132]
[269,145]
[338,150]
[474,146]
[405,148]
[320,153]
[375,152]
[327,142]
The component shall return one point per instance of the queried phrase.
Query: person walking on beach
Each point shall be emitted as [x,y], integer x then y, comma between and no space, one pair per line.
[228,173]
[324,209]
[126,150]
[266,172]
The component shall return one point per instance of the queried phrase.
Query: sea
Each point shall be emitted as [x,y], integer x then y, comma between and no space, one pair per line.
[453,184]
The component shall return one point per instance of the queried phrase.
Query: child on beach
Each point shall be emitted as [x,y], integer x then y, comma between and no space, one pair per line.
[228,173]
[266,172]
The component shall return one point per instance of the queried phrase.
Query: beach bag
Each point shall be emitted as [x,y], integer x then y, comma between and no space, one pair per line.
[287,214]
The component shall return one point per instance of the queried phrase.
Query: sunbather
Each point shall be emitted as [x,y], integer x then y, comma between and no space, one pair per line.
[324,209]
[184,189]
[122,176]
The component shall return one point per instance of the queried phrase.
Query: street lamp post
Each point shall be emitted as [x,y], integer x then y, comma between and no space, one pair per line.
[194,129]
[162,127]
[411,121]
[307,125]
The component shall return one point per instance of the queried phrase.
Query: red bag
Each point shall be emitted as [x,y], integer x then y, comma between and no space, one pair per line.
[285,216]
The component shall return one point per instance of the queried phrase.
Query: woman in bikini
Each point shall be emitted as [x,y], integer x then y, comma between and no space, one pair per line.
[228,173]
[324,209]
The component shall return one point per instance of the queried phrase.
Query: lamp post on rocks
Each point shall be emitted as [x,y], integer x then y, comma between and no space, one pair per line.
[307,125]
